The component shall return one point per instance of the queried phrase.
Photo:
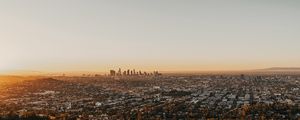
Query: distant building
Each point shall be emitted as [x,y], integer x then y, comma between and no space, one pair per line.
[242,76]
[128,72]
[112,72]
[156,73]
[119,72]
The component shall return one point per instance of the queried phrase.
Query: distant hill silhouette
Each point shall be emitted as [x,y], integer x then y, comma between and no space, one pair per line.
[281,69]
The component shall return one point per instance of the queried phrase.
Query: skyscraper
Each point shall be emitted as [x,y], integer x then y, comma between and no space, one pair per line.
[112,72]
[119,72]
[128,72]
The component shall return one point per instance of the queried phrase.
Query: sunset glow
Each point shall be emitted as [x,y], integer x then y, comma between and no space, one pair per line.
[177,36]
[149,60]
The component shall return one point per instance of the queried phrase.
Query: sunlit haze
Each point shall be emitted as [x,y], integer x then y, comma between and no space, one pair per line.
[168,35]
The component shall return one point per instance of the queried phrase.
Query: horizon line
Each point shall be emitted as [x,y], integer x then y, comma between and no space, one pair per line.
[101,72]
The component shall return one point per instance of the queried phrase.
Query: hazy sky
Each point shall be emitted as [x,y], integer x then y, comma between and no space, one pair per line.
[96,35]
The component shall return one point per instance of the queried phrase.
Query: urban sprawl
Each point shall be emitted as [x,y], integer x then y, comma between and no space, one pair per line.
[137,95]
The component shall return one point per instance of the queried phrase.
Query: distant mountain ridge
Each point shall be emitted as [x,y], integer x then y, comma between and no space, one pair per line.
[282,69]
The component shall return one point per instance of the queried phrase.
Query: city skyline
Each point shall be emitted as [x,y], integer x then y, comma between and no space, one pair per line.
[149,60]
[58,36]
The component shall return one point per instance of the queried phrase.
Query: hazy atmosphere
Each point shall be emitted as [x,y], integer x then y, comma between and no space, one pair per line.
[149,60]
[166,35]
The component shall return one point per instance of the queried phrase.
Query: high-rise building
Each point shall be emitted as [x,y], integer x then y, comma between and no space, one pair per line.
[156,73]
[128,72]
[112,72]
[119,72]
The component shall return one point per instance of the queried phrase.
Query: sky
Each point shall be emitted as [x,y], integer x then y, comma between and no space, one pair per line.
[166,35]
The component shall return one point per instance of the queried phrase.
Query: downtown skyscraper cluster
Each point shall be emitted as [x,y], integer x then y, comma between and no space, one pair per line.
[133,72]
